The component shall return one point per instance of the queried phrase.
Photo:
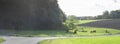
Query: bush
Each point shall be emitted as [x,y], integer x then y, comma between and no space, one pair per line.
[71,23]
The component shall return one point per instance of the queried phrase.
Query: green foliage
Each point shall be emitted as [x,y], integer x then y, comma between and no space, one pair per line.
[99,17]
[71,22]
[93,40]
[115,14]
[109,15]
[30,14]
[105,15]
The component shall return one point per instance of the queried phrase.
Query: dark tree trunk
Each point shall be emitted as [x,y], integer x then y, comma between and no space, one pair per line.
[30,14]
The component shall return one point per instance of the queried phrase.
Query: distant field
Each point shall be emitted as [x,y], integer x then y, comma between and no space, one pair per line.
[114,23]
[94,40]
[90,21]
[86,21]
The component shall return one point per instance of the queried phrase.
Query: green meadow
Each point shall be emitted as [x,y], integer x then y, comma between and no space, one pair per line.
[58,33]
[86,21]
[92,40]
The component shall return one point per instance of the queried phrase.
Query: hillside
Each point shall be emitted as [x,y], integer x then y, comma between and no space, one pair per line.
[114,23]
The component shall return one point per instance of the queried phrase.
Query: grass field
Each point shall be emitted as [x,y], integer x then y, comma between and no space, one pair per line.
[46,33]
[1,40]
[86,21]
[99,31]
[94,40]
[89,21]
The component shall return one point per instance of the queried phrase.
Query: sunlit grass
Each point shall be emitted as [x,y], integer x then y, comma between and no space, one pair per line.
[86,21]
[1,40]
[93,40]
[99,31]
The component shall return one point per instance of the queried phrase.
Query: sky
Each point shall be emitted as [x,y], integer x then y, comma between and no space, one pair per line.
[88,7]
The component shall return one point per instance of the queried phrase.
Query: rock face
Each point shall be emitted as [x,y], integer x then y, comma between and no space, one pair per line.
[30,14]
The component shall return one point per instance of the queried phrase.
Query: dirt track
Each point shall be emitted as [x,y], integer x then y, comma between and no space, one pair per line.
[115,23]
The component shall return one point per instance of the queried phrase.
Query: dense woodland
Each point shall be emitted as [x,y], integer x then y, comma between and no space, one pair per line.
[30,14]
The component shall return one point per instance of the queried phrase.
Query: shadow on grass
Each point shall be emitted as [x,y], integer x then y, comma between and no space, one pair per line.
[59,33]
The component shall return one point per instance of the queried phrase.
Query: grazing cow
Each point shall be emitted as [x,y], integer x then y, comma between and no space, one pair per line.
[83,30]
[75,32]
[106,31]
[93,31]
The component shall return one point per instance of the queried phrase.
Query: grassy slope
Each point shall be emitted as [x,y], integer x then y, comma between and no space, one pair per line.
[97,40]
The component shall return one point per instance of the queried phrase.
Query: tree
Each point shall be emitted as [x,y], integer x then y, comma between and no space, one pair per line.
[105,15]
[30,14]
[71,22]
[99,17]
[115,14]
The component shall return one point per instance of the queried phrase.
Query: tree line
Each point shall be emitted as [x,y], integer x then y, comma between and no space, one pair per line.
[115,14]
